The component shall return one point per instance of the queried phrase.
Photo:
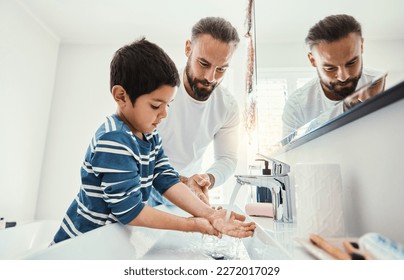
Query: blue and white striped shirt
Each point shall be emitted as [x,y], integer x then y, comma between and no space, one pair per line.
[117,175]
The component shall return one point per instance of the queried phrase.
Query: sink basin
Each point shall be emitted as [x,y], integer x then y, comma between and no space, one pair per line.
[26,238]
[115,241]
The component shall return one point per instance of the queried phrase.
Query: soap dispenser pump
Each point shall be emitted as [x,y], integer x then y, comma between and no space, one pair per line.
[266,170]
[264,194]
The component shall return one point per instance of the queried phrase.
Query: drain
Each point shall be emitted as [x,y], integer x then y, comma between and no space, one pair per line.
[217,256]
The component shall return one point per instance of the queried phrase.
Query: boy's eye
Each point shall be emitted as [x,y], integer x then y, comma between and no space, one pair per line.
[156,107]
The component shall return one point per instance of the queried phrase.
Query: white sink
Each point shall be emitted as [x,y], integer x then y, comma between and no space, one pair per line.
[115,241]
[24,239]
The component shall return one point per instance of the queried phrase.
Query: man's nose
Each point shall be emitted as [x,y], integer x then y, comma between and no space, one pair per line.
[342,74]
[210,74]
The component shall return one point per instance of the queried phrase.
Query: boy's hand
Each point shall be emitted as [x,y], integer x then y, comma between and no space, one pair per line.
[234,227]
[203,226]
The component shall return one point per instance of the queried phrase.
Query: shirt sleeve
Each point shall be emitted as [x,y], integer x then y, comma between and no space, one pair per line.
[116,162]
[225,145]
[292,116]
[164,174]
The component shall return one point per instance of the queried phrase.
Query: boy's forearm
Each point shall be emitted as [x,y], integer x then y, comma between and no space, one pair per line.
[182,196]
[154,218]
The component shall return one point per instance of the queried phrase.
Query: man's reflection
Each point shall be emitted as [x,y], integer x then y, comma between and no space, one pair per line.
[335,50]
[364,93]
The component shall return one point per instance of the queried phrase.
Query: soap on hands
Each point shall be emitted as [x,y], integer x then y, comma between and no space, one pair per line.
[261,209]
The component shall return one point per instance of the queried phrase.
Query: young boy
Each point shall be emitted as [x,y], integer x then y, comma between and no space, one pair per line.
[125,158]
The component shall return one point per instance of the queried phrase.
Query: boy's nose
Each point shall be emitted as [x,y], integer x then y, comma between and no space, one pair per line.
[163,113]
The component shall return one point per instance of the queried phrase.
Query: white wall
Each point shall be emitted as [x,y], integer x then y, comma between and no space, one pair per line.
[28,57]
[370,153]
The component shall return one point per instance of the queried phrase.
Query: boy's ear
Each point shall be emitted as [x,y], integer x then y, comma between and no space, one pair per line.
[119,95]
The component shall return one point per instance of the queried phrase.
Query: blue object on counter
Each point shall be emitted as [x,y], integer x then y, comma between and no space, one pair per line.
[264,195]
[381,247]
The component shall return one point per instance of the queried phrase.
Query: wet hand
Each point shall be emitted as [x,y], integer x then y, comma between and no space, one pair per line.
[234,226]
[203,226]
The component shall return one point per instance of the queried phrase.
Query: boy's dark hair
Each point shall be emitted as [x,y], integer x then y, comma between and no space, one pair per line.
[217,27]
[141,68]
[332,28]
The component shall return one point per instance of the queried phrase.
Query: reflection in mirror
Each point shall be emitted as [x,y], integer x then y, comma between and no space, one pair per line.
[365,93]
[283,67]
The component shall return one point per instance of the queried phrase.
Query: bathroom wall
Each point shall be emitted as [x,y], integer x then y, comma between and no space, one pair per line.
[370,153]
[28,58]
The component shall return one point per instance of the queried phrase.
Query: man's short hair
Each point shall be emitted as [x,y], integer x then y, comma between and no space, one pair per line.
[332,28]
[217,27]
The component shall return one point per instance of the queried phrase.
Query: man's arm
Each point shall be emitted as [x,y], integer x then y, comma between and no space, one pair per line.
[225,146]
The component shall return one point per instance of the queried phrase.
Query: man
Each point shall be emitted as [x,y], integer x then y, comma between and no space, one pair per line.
[203,111]
[335,50]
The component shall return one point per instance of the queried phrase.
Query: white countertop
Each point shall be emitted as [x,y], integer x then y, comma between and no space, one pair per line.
[284,234]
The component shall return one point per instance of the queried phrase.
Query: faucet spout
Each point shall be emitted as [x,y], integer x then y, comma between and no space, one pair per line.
[279,185]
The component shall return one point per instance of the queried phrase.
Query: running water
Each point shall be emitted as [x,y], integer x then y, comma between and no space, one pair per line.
[232,199]
[226,248]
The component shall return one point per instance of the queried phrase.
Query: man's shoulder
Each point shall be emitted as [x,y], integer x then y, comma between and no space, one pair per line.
[310,87]
[223,96]
[373,72]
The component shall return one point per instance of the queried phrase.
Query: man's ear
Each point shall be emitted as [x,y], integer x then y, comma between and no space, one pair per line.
[119,95]
[312,59]
[188,48]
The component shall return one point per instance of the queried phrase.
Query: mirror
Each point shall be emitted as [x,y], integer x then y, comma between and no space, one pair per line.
[282,64]
[363,94]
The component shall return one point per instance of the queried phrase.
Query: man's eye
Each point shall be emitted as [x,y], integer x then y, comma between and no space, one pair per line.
[203,64]
[155,107]
[329,69]
[221,69]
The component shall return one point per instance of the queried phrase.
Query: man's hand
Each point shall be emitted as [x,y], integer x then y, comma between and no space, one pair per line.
[199,185]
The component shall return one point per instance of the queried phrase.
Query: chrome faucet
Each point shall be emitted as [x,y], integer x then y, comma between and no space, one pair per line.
[278,183]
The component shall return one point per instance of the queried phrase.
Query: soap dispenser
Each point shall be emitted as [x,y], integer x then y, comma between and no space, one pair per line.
[264,194]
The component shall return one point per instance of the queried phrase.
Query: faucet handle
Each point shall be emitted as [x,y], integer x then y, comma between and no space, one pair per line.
[278,167]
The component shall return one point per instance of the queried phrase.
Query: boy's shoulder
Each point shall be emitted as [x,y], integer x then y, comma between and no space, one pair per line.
[113,129]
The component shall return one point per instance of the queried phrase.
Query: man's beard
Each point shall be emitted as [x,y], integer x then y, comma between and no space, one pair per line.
[203,93]
[345,91]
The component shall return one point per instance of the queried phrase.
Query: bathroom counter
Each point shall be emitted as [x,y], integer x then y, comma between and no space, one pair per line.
[284,235]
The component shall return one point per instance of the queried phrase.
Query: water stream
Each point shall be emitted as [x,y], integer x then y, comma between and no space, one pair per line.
[232,200]
[227,247]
